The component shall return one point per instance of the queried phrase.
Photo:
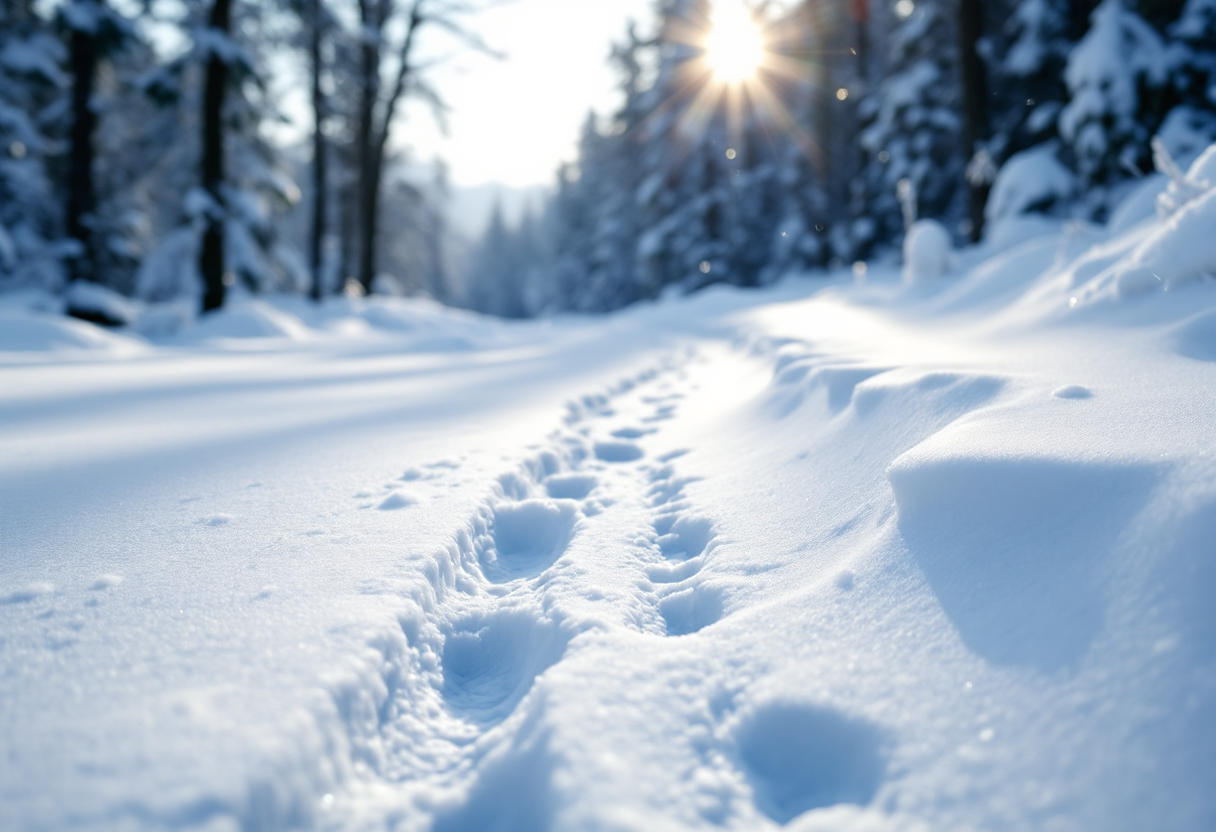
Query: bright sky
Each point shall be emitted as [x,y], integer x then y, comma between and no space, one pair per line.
[513,121]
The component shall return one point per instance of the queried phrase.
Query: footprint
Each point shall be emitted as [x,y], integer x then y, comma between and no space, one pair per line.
[632,433]
[513,792]
[28,593]
[800,757]
[668,490]
[570,486]
[687,537]
[661,414]
[691,610]
[529,536]
[491,660]
[618,452]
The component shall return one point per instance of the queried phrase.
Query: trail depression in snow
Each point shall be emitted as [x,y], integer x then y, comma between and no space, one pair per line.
[826,556]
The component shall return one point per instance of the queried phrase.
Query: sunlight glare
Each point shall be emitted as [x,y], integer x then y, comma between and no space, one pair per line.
[735,48]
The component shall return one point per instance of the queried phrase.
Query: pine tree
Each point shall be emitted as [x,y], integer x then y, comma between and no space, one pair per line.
[32,85]
[1191,126]
[1115,78]
[912,127]
[1032,73]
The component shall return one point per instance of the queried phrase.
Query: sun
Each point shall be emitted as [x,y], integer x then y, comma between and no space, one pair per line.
[734,47]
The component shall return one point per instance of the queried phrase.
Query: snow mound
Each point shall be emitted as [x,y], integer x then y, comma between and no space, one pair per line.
[1030,181]
[1012,545]
[1177,249]
[1140,204]
[1198,180]
[99,304]
[1181,250]
[1196,338]
[433,327]
[927,251]
[248,319]
[46,333]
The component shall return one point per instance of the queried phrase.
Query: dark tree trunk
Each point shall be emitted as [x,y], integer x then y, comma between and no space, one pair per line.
[81,190]
[373,138]
[369,180]
[369,230]
[211,260]
[974,78]
[348,221]
[319,179]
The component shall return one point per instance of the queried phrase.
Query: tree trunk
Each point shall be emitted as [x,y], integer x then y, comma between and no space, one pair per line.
[369,180]
[369,230]
[81,190]
[374,140]
[320,199]
[211,261]
[974,83]
[348,220]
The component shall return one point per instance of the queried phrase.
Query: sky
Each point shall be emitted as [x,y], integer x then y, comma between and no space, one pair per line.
[513,121]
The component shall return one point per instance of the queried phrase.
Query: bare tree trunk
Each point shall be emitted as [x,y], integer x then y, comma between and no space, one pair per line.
[320,199]
[369,194]
[373,151]
[81,190]
[348,220]
[369,180]
[211,261]
[974,83]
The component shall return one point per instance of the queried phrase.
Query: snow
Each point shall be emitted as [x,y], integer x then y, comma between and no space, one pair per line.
[927,251]
[825,556]
[1030,181]
[96,303]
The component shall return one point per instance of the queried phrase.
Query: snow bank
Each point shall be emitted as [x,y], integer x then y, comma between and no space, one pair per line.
[846,557]
[927,251]
[99,304]
[249,319]
[26,332]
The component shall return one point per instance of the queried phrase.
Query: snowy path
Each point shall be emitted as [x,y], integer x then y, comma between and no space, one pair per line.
[739,562]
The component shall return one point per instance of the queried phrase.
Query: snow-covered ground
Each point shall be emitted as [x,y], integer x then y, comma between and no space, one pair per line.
[874,557]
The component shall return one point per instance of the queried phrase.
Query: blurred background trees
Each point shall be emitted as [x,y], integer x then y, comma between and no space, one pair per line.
[138,159]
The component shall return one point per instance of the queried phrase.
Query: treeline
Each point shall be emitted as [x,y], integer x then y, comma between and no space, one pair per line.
[869,114]
[135,158]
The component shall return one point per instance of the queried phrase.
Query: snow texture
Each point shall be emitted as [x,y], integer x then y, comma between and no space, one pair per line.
[851,557]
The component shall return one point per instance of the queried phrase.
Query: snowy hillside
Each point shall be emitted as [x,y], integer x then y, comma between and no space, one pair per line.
[842,556]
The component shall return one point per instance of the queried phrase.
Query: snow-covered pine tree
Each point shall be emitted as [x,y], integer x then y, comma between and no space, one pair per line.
[254,185]
[1191,126]
[1032,72]
[94,32]
[32,86]
[1116,76]
[913,125]
[712,199]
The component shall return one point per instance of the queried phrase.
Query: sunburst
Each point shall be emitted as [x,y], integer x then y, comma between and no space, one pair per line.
[734,46]
[734,67]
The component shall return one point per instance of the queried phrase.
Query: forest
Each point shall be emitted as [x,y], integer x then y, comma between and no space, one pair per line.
[140,161]
[829,449]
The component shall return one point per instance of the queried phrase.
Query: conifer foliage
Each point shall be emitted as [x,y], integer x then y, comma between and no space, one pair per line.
[128,168]
[898,110]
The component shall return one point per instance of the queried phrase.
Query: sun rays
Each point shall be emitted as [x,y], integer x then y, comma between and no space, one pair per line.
[736,66]
[734,47]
